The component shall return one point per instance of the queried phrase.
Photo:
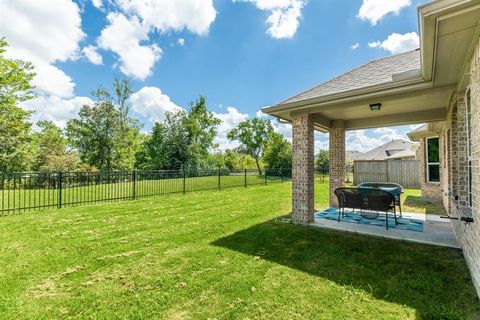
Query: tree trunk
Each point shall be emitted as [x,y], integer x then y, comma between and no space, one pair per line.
[258,166]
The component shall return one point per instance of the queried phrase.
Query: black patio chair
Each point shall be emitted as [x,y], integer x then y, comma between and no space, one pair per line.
[365,199]
[383,201]
[398,201]
[349,198]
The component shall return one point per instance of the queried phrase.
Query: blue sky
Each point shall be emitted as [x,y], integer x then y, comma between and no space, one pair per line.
[241,54]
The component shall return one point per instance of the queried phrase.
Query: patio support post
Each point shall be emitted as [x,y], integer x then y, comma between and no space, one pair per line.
[337,159]
[303,169]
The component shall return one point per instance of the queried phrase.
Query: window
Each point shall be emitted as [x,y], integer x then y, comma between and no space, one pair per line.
[433,160]
[469,144]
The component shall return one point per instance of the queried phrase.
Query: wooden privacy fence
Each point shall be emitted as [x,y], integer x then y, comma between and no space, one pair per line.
[403,172]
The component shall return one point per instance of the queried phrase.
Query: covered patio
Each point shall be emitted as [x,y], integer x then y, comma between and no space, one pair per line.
[428,228]
[426,85]
[389,91]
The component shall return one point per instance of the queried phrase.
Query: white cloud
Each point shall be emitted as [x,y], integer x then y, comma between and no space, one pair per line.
[56,109]
[398,43]
[260,114]
[181,41]
[365,140]
[151,103]
[97,4]
[284,16]
[124,36]
[229,121]
[129,27]
[168,15]
[387,134]
[43,32]
[52,80]
[285,129]
[92,55]
[321,142]
[355,46]
[376,10]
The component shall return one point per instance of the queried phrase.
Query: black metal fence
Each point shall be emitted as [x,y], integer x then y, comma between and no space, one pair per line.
[35,190]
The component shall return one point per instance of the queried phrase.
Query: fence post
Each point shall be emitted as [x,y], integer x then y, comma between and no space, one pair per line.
[245,178]
[265,174]
[60,180]
[184,181]
[281,174]
[218,178]
[134,184]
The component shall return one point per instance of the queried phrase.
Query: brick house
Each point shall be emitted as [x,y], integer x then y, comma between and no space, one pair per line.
[437,84]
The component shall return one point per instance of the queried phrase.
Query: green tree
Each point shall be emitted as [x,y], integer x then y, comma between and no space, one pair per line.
[52,149]
[15,87]
[94,133]
[202,130]
[105,136]
[60,162]
[322,160]
[253,135]
[278,152]
[183,140]
[236,160]
[48,140]
[123,91]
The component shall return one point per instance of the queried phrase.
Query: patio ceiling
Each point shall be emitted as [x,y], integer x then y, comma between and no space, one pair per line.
[423,104]
[410,91]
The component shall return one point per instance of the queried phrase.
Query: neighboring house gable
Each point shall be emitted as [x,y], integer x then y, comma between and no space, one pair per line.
[390,151]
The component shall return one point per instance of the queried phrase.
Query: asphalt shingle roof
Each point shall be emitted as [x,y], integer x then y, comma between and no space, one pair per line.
[386,150]
[375,72]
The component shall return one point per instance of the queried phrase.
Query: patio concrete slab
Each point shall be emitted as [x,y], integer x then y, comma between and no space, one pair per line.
[436,231]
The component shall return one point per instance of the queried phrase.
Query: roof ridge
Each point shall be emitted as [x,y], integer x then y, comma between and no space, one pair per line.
[346,73]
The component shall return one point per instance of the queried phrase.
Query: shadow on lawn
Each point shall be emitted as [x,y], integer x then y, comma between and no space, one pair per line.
[419,203]
[432,280]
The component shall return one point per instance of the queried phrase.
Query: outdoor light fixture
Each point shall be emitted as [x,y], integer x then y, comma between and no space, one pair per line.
[375,106]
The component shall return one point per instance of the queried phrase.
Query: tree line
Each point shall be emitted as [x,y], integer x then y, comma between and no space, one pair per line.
[105,136]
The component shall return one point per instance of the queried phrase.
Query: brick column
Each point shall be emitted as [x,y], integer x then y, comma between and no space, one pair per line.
[337,159]
[303,174]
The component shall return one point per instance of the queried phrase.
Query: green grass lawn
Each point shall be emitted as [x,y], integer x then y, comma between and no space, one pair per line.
[218,254]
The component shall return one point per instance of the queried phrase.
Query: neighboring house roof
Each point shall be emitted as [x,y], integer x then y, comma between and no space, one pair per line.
[409,153]
[422,128]
[379,71]
[425,130]
[387,151]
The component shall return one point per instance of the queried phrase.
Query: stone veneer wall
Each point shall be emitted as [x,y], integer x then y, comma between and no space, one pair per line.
[303,171]
[446,177]
[462,152]
[337,159]
[430,191]
[469,235]
[452,119]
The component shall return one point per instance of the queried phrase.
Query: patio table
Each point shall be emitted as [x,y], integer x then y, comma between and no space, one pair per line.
[396,192]
[393,191]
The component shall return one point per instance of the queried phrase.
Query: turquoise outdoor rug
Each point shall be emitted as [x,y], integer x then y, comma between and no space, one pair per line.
[354,217]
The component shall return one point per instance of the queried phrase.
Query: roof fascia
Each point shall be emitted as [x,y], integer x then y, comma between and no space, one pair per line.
[383,89]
